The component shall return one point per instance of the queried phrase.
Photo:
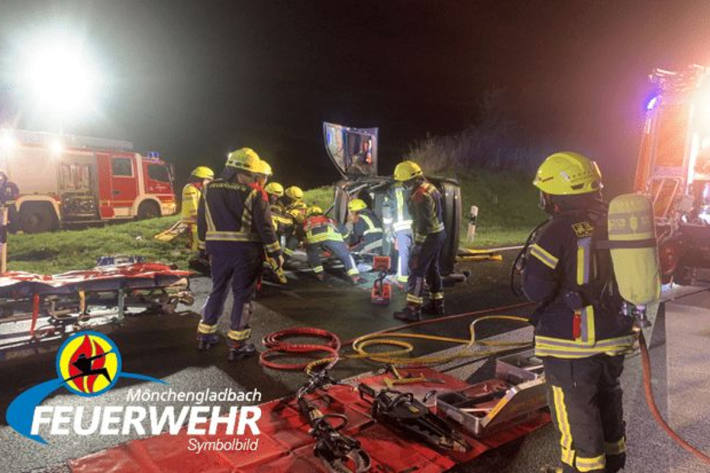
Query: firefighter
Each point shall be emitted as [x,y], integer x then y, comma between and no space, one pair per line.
[425,206]
[282,220]
[366,234]
[398,210]
[235,221]
[321,233]
[191,194]
[296,208]
[580,332]
[263,173]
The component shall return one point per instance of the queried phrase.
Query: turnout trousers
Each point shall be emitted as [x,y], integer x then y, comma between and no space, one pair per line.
[239,266]
[424,266]
[404,244]
[338,248]
[584,396]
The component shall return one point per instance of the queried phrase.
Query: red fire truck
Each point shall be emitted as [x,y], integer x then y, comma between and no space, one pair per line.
[674,170]
[65,180]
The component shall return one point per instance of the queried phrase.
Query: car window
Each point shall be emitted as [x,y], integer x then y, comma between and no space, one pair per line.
[121,167]
[158,173]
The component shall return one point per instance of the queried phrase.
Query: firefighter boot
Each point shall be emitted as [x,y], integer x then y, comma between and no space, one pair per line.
[240,350]
[409,314]
[434,307]
[206,340]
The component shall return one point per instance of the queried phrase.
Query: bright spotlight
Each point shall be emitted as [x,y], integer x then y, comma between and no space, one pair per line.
[59,76]
[56,147]
[7,141]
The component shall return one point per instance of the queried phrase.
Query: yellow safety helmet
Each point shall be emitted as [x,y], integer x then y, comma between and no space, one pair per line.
[568,173]
[294,192]
[356,205]
[203,172]
[314,210]
[263,168]
[407,170]
[274,188]
[243,158]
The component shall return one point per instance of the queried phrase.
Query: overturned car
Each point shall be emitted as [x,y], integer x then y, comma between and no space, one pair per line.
[353,151]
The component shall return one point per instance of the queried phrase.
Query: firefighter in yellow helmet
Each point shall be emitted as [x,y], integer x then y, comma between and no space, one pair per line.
[296,207]
[282,220]
[191,194]
[263,172]
[580,332]
[425,206]
[235,221]
[321,234]
[366,234]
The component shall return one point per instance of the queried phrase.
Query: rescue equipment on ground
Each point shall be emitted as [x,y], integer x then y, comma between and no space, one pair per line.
[471,255]
[404,414]
[515,393]
[171,233]
[381,292]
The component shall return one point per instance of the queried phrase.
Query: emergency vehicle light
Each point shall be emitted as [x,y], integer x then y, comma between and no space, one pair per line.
[652,103]
[56,147]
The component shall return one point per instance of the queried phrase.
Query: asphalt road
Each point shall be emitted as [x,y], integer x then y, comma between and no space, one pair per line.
[163,346]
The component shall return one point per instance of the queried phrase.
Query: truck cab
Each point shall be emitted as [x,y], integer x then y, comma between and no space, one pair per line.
[353,151]
[673,169]
[69,180]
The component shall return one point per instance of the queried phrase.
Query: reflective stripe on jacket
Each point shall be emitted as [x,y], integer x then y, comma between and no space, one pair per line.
[577,317]
[319,228]
[191,194]
[425,205]
[367,228]
[233,212]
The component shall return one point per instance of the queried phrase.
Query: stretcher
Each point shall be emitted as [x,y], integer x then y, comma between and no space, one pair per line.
[328,427]
[72,299]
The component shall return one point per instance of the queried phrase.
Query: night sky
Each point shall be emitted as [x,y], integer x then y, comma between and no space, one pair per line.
[196,79]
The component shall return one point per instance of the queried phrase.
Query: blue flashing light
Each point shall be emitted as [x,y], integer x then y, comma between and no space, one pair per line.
[652,103]
[153,154]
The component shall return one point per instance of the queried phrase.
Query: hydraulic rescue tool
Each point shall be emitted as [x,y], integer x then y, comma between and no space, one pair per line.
[338,452]
[401,412]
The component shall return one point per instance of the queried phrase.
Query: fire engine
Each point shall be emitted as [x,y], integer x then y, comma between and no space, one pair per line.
[673,169]
[66,179]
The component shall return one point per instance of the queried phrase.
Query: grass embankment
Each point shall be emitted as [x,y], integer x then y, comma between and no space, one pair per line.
[507,203]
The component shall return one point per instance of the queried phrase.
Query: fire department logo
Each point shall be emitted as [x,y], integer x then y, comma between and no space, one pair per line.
[89,363]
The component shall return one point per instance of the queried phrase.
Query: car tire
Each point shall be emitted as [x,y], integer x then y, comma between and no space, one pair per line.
[37,217]
[148,209]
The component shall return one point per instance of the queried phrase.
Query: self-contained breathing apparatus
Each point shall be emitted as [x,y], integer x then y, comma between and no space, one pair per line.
[626,259]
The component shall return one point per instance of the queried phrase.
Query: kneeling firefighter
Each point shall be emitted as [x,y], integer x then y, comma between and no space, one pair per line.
[425,206]
[321,234]
[235,221]
[580,331]
[366,234]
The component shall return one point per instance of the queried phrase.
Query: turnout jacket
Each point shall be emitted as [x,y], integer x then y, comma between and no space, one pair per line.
[425,205]
[578,315]
[397,201]
[283,222]
[230,212]
[367,228]
[191,194]
[319,228]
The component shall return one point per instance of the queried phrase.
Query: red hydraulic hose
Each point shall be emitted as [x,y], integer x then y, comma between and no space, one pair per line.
[278,347]
[648,390]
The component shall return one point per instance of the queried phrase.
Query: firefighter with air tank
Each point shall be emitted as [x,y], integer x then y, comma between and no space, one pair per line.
[235,221]
[425,206]
[580,331]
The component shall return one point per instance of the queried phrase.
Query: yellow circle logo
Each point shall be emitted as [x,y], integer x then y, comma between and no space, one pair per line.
[89,363]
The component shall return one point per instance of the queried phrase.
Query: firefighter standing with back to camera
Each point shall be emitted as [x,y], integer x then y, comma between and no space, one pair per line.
[235,221]
[425,206]
[580,332]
